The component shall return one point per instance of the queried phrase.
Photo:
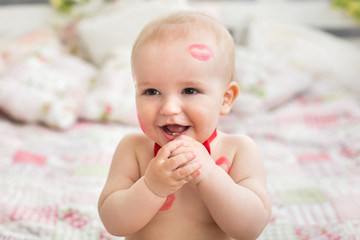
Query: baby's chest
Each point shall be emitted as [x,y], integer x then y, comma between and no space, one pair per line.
[186,203]
[187,218]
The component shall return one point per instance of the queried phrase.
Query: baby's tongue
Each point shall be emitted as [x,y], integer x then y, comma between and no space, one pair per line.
[175,128]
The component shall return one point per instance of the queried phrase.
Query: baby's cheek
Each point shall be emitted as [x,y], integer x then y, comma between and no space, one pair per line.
[141,124]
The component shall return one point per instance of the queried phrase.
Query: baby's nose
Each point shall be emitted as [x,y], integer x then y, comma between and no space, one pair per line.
[170,106]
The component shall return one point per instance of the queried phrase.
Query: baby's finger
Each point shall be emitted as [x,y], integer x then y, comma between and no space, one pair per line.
[180,160]
[180,150]
[186,172]
[166,150]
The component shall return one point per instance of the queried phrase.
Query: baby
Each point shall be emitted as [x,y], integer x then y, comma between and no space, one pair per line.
[183,179]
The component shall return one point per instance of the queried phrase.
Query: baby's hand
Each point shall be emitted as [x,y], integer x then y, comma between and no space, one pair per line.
[167,173]
[202,156]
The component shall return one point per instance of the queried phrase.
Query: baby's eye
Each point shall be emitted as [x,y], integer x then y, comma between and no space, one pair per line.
[190,91]
[151,92]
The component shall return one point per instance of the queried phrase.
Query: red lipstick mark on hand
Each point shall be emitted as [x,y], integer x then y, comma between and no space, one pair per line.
[168,202]
[200,52]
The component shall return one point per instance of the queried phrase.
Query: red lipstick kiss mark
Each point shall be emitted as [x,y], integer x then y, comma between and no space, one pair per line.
[200,52]
[224,163]
[168,202]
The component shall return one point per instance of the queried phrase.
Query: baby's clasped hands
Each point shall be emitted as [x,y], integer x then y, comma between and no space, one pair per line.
[202,156]
[168,171]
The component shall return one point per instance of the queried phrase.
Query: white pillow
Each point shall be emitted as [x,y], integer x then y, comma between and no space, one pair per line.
[307,49]
[113,95]
[100,34]
[43,88]
[265,82]
[44,40]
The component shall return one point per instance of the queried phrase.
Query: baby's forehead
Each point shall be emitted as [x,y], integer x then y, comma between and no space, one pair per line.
[176,33]
[202,40]
[195,50]
[194,44]
[194,31]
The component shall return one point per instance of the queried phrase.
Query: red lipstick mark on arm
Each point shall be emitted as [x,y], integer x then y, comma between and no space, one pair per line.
[200,52]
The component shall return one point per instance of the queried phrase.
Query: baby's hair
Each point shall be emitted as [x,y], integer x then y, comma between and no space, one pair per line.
[179,25]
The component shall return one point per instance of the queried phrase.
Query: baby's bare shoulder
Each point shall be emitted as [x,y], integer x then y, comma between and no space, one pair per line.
[130,149]
[246,158]
[134,137]
[238,142]
[132,143]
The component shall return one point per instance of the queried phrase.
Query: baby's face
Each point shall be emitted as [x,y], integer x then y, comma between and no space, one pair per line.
[178,89]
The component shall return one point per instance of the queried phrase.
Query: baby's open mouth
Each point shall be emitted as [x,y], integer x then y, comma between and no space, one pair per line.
[174,130]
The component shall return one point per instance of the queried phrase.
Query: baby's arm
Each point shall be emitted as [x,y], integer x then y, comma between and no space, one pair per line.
[121,206]
[238,201]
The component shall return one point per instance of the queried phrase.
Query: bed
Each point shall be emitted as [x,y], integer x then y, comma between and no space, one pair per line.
[62,117]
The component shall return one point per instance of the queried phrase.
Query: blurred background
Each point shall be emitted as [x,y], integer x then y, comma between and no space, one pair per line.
[339,17]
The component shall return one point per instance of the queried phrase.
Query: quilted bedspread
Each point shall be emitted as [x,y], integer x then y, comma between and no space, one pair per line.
[299,102]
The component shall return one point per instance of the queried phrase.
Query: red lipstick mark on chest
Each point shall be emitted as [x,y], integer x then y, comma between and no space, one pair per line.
[224,163]
[168,202]
[200,52]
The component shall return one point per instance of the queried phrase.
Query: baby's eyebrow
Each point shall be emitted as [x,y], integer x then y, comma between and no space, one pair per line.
[193,82]
[201,52]
[143,84]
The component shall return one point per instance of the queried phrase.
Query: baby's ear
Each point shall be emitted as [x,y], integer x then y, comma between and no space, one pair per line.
[231,93]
